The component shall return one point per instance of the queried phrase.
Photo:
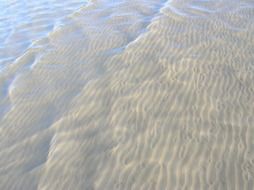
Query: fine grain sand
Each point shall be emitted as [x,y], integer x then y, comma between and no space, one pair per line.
[133,95]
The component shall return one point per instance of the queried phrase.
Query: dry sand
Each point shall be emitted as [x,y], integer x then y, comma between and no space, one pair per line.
[134,95]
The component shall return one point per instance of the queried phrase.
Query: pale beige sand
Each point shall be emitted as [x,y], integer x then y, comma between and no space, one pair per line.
[134,95]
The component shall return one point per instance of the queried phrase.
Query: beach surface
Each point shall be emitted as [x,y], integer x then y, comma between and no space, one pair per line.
[127,95]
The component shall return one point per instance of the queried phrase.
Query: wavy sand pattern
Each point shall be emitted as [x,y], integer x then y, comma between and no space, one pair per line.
[134,95]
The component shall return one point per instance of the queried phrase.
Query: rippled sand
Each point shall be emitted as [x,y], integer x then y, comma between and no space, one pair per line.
[134,95]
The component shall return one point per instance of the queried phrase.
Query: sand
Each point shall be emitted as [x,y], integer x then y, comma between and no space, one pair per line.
[133,95]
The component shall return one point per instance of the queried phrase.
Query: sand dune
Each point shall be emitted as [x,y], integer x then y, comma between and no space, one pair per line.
[133,95]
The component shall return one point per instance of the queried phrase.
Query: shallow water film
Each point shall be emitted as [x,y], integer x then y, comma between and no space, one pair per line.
[127,95]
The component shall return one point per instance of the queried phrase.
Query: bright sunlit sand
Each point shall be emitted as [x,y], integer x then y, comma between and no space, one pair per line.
[127,95]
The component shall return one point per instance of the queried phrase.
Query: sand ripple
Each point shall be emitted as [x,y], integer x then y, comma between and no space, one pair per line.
[134,95]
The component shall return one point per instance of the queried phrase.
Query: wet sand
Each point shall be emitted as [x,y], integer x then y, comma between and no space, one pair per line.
[133,95]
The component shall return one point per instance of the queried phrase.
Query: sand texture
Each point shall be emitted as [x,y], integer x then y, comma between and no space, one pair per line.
[133,95]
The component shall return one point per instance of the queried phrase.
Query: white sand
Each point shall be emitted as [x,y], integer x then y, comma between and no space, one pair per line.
[134,95]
